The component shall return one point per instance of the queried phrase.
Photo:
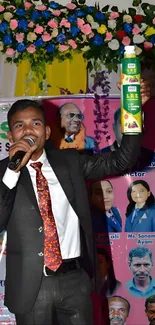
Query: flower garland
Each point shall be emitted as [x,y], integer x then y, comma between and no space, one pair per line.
[40,31]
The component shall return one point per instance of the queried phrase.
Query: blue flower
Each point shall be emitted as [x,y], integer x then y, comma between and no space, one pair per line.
[21,47]
[79,13]
[90,9]
[35,15]
[3,27]
[74,31]
[152,39]
[50,48]
[128,28]
[61,38]
[21,12]
[22,24]
[39,42]
[46,14]
[100,16]
[7,39]
[97,40]
[53,5]
[72,19]
[121,49]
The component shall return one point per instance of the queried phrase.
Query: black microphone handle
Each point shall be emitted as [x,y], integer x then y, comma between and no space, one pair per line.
[16,160]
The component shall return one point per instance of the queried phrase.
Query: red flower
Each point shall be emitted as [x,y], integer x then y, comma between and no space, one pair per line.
[138,18]
[120,34]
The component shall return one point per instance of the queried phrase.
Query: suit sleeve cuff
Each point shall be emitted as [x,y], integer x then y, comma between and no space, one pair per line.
[10,178]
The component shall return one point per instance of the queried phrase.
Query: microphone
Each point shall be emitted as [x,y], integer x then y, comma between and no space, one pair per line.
[19,155]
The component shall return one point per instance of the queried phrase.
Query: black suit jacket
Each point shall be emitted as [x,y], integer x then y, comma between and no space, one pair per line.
[20,216]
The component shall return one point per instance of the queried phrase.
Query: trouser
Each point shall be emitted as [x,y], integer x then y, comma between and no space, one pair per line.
[63,299]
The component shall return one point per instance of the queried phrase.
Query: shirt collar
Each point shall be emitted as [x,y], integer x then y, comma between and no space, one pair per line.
[70,136]
[151,285]
[42,159]
[109,213]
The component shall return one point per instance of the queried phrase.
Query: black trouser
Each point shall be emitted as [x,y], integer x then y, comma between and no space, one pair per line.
[63,299]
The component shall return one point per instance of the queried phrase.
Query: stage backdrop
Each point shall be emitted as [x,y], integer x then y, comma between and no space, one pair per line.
[115,241]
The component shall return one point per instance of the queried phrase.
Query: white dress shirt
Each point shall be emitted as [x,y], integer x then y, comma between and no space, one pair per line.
[66,220]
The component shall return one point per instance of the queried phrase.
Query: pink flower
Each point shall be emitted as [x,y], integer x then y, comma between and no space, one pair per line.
[71,6]
[27,5]
[108,36]
[19,37]
[114,15]
[86,29]
[148,46]
[10,7]
[13,24]
[56,12]
[65,23]
[136,29]
[42,7]
[80,22]
[63,48]
[39,29]
[46,37]
[52,23]
[91,35]
[126,41]
[31,49]
[153,21]
[72,43]
[31,24]
[2,8]
[10,51]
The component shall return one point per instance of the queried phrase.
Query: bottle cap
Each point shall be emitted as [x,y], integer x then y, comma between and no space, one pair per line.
[130,49]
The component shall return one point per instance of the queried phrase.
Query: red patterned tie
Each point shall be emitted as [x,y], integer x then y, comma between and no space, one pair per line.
[52,253]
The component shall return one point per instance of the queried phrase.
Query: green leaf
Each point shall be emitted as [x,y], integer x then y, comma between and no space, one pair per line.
[105,9]
[89,66]
[82,2]
[114,8]
[132,11]
[136,3]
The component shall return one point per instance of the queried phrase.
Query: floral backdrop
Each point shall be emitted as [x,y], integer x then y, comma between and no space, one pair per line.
[42,32]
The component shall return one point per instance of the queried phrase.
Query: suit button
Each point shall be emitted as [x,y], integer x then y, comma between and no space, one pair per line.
[40,254]
[40,229]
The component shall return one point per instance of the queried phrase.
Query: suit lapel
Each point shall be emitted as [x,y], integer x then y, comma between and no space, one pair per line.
[137,218]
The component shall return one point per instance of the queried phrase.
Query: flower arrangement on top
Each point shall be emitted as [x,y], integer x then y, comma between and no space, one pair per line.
[40,31]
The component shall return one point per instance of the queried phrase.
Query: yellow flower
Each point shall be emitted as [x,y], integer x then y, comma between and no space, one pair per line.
[138,50]
[102,29]
[85,48]
[1,46]
[127,19]
[150,31]
[8,16]
[31,36]
[55,32]
[90,19]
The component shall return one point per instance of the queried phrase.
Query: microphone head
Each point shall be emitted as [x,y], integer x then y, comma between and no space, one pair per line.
[30,141]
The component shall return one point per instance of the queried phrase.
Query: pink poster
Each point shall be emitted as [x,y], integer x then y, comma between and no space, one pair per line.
[123,213]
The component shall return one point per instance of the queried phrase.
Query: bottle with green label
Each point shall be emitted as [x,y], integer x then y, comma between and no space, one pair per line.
[131,113]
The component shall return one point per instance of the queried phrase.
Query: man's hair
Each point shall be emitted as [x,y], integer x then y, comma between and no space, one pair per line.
[139,252]
[103,252]
[65,104]
[122,298]
[21,105]
[149,300]
[117,115]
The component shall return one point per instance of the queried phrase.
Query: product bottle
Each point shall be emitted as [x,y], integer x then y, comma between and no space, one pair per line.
[131,114]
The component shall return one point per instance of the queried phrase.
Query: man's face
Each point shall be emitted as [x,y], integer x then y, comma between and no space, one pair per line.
[118,311]
[102,195]
[103,266]
[71,119]
[139,194]
[141,267]
[29,123]
[150,313]
[117,130]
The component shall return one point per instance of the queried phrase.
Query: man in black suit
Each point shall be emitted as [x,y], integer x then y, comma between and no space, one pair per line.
[35,293]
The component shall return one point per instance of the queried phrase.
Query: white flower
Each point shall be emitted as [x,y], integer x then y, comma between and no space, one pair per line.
[65,10]
[8,16]
[137,39]
[127,19]
[55,32]
[143,27]
[90,19]
[138,50]
[94,25]
[114,44]
[112,23]
[85,48]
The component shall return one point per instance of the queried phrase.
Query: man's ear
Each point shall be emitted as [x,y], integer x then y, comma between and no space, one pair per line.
[48,132]
[10,137]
